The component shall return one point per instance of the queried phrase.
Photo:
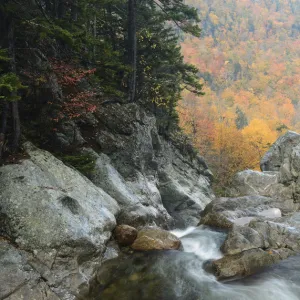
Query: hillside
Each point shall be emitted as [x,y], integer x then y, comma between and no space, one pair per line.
[249,59]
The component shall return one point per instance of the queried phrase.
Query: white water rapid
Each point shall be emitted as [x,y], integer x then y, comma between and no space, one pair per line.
[281,282]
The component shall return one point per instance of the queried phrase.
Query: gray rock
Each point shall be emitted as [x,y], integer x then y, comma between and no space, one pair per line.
[61,217]
[267,184]
[280,151]
[244,263]
[138,198]
[225,212]
[152,178]
[18,279]
[251,182]
[241,239]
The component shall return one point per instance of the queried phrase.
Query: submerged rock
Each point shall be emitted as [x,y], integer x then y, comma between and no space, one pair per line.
[155,239]
[125,235]
[154,275]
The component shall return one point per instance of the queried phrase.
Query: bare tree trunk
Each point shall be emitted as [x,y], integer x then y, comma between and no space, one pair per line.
[132,48]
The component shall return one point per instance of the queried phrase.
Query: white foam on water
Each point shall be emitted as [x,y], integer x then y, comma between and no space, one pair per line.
[202,242]
[206,243]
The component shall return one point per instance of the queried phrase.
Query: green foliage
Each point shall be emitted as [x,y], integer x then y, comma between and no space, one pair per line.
[84,163]
[3,55]
[93,34]
[10,85]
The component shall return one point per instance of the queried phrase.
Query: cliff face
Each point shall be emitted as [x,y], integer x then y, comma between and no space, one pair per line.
[56,223]
[154,180]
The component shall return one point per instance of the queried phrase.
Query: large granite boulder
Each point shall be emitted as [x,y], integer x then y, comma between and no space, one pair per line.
[284,157]
[225,212]
[279,154]
[54,212]
[138,197]
[248,249]
[249,182]
[262,234]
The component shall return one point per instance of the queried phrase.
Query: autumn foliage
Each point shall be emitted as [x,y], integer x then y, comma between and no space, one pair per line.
[248,57]
[77,102]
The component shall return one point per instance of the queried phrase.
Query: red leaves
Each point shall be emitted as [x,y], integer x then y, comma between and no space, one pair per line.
[69,75]
[77,103]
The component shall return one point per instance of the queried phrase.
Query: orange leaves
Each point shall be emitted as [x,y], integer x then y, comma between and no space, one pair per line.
[248,57]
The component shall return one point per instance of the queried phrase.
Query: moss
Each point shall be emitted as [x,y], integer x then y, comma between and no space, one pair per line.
[84,163]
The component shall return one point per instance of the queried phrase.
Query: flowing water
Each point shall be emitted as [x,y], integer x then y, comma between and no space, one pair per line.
[281,282]
[174,275]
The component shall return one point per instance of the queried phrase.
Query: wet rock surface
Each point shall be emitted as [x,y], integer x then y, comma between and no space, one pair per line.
[64,221]
[125,235]
[155,239]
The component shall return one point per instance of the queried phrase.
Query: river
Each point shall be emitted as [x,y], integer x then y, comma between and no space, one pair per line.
[175,275]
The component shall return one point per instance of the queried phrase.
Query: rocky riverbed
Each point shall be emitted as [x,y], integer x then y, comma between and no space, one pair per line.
[65,236]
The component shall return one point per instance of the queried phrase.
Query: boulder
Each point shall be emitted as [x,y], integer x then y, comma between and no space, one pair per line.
[125,235]
[278,155]
[241,239]
[251,182]
[245,263]
[138,198]
[266,184]
[57,214]
[225,212]
[155,239]
[18,278]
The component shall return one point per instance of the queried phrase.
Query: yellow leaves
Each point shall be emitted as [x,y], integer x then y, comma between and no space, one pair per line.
[259,136]
[214,19]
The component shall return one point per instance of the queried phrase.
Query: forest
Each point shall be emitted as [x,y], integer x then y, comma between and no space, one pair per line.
[228,74]
[249,62]
[62,60]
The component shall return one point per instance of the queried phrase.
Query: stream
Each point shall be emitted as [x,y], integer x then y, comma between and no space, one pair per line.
[175,275]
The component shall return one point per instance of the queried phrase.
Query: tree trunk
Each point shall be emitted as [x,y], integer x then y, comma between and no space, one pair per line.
[94,35]
[14,105]
[132,48]
[61,9]
[4,117]
[16,126]
[74,11]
